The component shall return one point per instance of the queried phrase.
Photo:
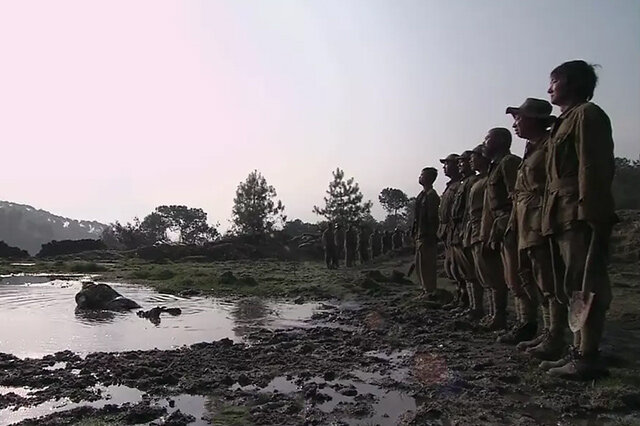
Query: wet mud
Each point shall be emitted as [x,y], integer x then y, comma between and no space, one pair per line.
[391,358]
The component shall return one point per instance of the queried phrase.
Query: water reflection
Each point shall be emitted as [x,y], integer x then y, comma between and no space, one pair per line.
[39,317]
[89,316]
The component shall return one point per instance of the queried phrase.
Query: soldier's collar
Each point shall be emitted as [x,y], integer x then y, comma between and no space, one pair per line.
[568,111]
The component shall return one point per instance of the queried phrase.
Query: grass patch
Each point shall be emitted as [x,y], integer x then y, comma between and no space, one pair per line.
[86,267]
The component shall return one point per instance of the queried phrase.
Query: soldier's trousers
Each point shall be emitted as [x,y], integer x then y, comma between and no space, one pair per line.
[538,265]
[510,260]
[489,269]
[450,267]
[465,265]
[573,266]
[426,264]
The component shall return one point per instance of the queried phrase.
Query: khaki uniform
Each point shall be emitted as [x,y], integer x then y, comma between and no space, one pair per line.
[425,228]
[463,257]
[445,228]
[526,219]
[497,205]
[488,266]
[578,203]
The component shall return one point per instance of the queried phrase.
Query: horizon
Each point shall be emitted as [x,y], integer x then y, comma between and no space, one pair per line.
[184,100]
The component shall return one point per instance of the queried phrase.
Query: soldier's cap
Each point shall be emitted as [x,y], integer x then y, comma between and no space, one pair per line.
[450,157]
[533,108]
[479,149]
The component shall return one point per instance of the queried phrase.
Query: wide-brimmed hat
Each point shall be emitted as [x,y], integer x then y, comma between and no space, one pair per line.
[534,108]
[450,157]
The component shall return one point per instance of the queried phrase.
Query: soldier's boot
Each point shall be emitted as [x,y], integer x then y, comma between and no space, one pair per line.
[527,326]
[553,345]
[586,363]
[499,320]
[476,292]
[463,298]
[454,303]
[524,345]
[490,308]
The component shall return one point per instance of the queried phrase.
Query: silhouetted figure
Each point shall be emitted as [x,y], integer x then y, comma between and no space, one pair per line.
[339,242]
[397,239]
[350,246]
[363,245]
[375,241]
[329,246]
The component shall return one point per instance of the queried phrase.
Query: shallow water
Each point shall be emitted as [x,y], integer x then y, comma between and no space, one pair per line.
[38,317]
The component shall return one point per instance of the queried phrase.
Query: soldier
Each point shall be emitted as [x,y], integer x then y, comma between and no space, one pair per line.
[350,246]
[387,242]
[363,245]
[487,262]
[495,217]
[339,242]
[445,228]
[375,241]
[397,239]
[462,250]
[330,252]
[425,228]
[531,122]
[578,214]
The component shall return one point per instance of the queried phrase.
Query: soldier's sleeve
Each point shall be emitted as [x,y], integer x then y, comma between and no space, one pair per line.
[594,146]
[510,173]
[433,206]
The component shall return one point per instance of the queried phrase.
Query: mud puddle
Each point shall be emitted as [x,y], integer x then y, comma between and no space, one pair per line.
[39,317]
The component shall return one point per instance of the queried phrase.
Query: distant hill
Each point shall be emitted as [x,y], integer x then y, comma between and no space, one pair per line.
[28,228]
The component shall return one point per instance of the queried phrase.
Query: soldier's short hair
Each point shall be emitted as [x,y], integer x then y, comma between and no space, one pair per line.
[503,135]
[431,173]
[580,77]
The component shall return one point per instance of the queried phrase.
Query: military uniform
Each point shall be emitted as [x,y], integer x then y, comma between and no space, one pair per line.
[535,264]
[350,246]
[495,217]
[461,249]
[445,228]
[578,213]
[330,252]
[425,228]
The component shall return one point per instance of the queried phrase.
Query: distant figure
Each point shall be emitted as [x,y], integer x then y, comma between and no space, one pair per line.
[350,246]
[363,245]
[387,242]
[329,246]
[425,228]
[339,242]
[397,239]
[375,241]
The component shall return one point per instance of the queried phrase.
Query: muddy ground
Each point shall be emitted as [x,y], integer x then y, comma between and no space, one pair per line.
[375,348]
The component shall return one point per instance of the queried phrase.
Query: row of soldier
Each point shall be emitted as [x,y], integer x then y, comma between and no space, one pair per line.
[537,227]
[358,244]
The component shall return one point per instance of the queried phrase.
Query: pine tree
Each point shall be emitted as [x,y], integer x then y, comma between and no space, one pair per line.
[343,203]
[255,210]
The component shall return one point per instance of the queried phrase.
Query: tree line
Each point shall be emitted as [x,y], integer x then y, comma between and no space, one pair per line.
[257,212]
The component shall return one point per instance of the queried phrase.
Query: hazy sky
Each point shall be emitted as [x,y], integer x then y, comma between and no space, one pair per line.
[110,108]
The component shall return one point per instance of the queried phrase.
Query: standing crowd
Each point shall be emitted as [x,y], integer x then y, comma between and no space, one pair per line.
[536,228]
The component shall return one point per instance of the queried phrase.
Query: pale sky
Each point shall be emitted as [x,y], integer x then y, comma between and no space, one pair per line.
[111,108]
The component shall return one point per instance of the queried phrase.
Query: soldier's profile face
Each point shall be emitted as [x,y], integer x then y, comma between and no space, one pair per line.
[523,126]
[557,90]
